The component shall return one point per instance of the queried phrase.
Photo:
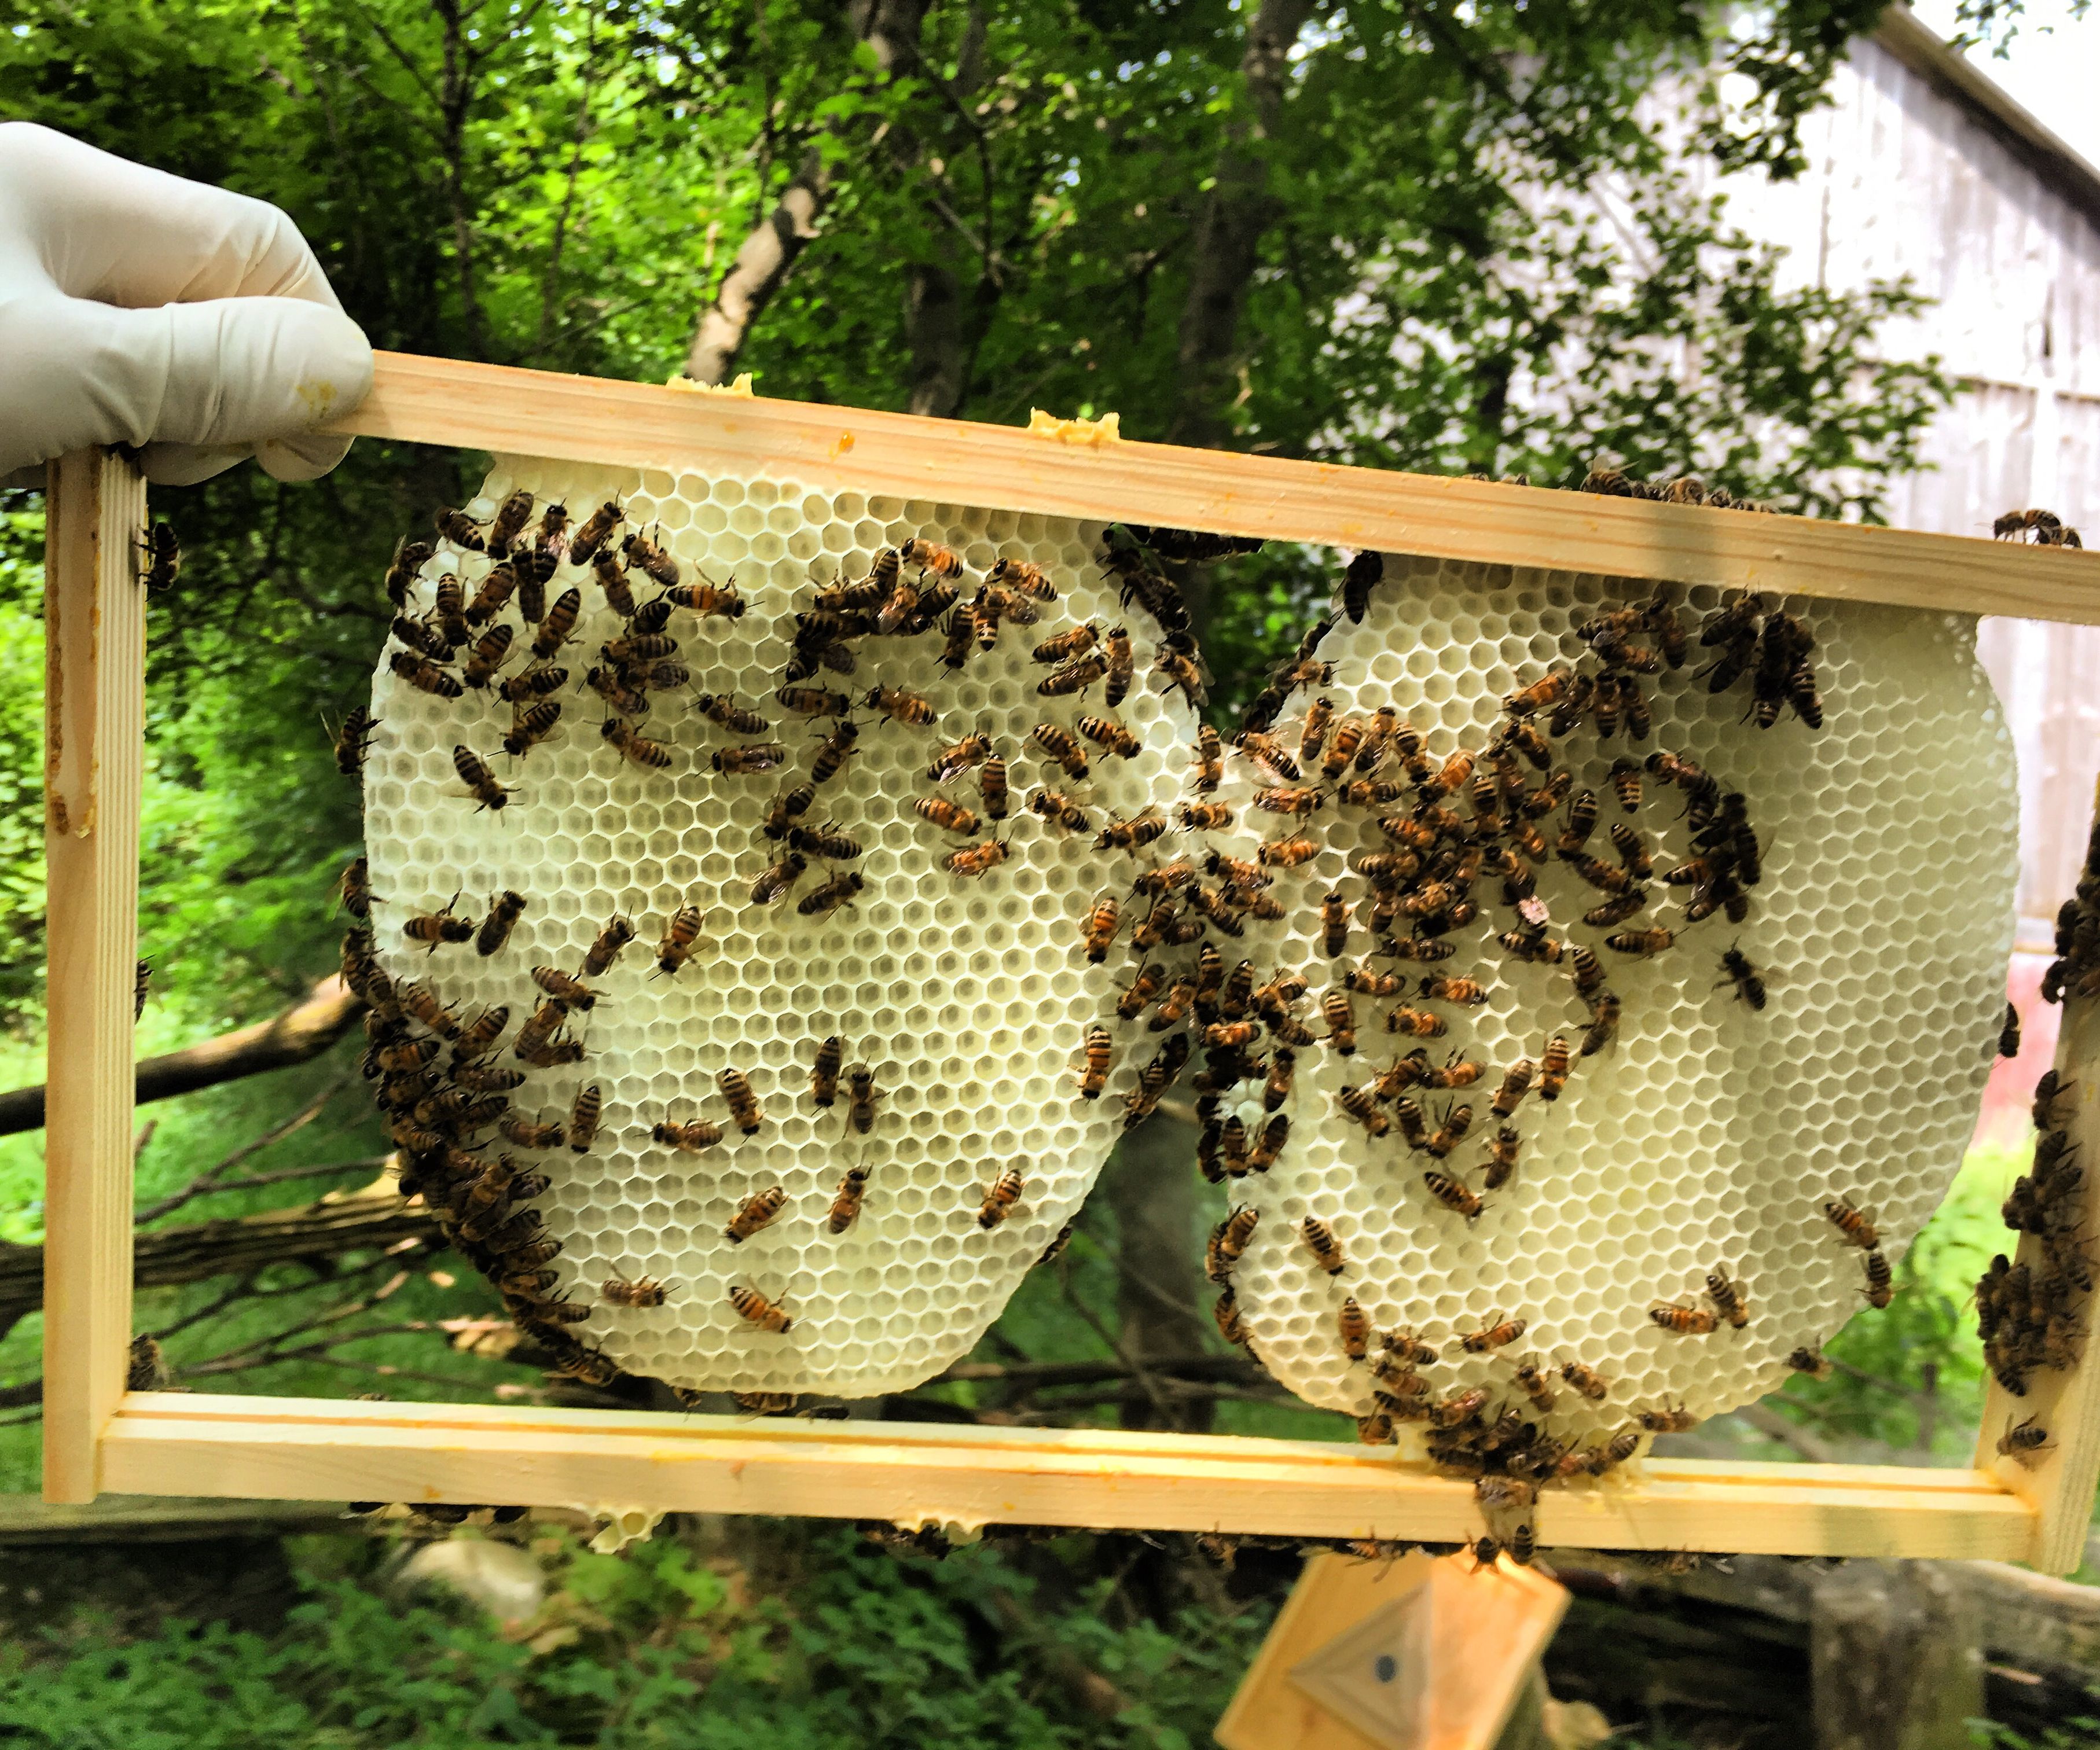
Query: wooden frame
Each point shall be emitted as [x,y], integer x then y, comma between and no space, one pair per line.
[100,1437]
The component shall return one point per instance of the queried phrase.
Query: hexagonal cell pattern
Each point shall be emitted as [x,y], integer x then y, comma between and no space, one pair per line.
[1708,1133]
[969,998]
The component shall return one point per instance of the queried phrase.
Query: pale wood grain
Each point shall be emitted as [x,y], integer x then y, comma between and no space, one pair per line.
[301,1449]
[497,408]
[94,735]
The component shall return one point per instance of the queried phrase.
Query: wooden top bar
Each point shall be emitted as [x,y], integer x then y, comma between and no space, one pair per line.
[580,419]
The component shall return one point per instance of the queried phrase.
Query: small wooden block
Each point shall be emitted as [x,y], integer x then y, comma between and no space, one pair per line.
[1415,1654]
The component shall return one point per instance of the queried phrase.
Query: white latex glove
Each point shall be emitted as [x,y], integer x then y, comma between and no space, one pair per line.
[139,308]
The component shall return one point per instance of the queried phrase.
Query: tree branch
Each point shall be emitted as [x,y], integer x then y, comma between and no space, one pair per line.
[303,1032]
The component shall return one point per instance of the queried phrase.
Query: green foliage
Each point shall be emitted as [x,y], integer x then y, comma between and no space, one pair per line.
[563,185]
[656,1649]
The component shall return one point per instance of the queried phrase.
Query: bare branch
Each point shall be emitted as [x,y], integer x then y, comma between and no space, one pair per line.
[303,1032]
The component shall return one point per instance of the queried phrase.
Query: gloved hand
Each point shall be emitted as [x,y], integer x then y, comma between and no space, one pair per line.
[138,308]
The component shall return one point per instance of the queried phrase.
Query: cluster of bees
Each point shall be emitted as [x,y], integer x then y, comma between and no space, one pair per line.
[2043,528]
[1683,489]
[442,1111]
[2031,1315]
[2075,970]
[1506,1451]
[465,642]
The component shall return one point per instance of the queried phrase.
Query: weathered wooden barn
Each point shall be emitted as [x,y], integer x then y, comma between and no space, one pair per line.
[1922,167]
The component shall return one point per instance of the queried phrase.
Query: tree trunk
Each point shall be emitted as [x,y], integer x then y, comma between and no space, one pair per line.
[769,254]
[1896,1658]
[1236,215]
[1152,1189]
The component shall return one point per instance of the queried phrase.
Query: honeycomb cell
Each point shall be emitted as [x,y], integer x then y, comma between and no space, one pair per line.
[970,999]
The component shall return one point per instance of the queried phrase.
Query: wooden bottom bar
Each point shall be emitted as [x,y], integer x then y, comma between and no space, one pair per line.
[286,1449]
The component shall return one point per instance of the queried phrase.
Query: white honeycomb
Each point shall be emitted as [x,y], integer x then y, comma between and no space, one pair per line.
[969,999]
[1707,1135]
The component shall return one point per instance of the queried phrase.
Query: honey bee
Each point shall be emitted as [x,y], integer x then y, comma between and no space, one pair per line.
[833,752]
[1750,985]
[1228,1239]
[1271,755]
[1023,574]
[1880,1286]
[435,926]
[743,1103]
[529,725]
[2025,1442]
[1855,1228]
[1450,1134]
[1553,1067]
[1341,1019]
[1326,1250]
[1586,1380]
[564,990]
[1604,1011]
[2009,1030]
[1209,760]
[638,647]
[693,1137]
[424,675]
[999,1198]
[826,841]
[356,888]
[1283,800]
[1067,644]
[1318,714]
[1059,744]
[1287,853]
[1489,1337]
[487,656]
[930,557]
[779,879]
[583,1116]
[1516,1082]
[1667,1420]
[614,934]
[1441,989]
[1548,690]
[1098,1049]
[1134,833]
[1642,944]
[822,902]
[1353,1324]
[1466,1407]
[479,1034]
[1365,981]
[643,555]
[1417,1024]
[1452,1194]
[1810,1361]
[1122,665]
[1428,950]
[524,1134]
[679,935]
[752,757]
[556,629]
[459,529]
[1104,733]
[973,861]
[636,746]
[755,1309]
[1075,677]
[1334,925]
[1684,1321]
[358,725]
[722,708]
[955,649]
[758,1211]
[475,774]
[1153,1079]
[846,1201]
[410,557]
[992,787]
[1361,1105]
[1205,816]
[2046,1090]
[1727,1297]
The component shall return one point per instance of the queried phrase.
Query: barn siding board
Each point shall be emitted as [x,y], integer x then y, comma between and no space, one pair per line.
[1998,223]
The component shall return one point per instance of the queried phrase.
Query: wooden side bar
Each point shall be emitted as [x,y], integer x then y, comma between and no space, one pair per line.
[496,408]
[2060,1484]
[95,668]
[912,1473]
